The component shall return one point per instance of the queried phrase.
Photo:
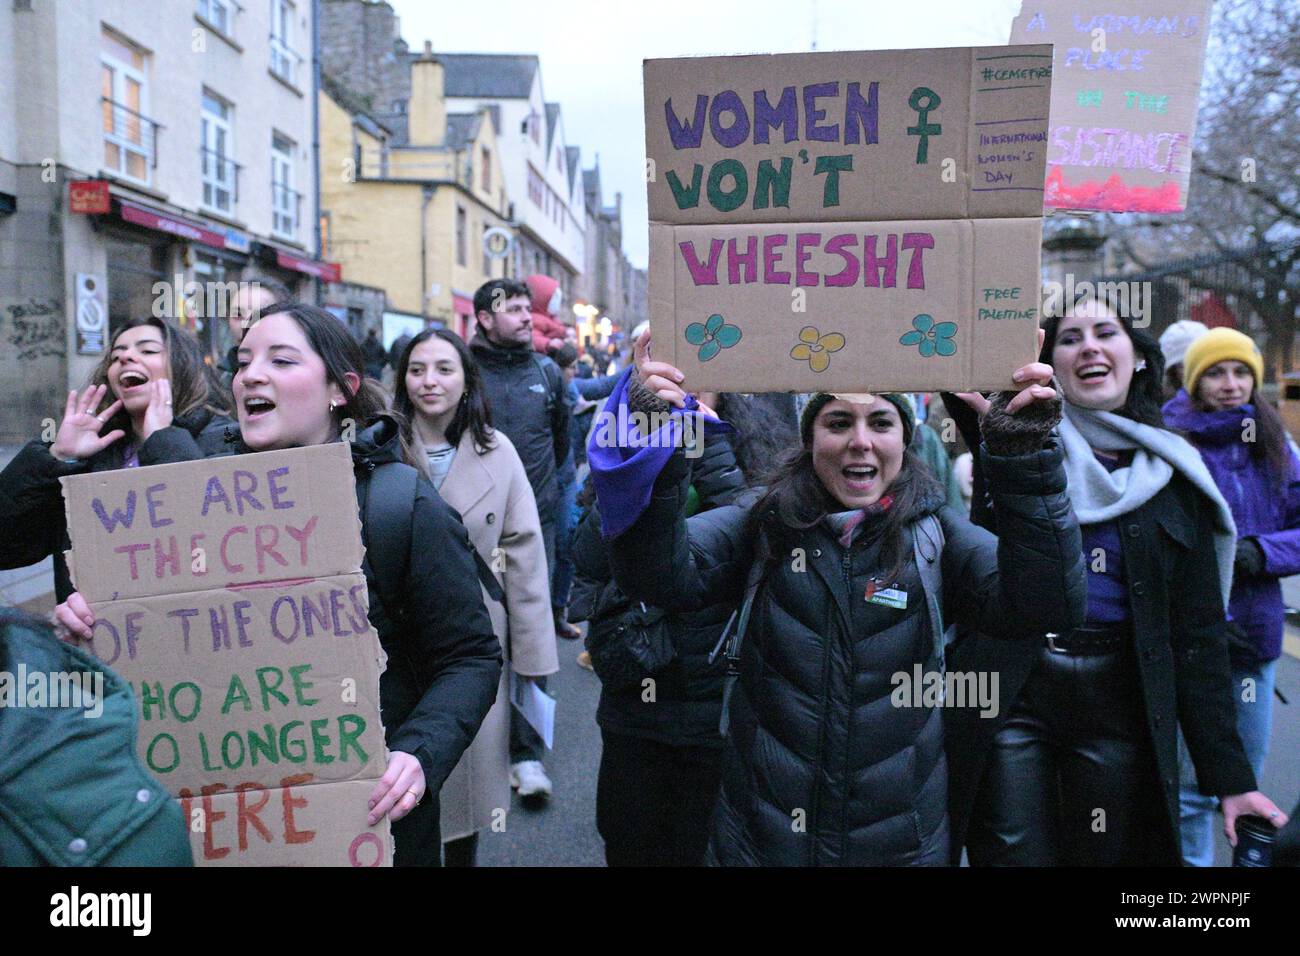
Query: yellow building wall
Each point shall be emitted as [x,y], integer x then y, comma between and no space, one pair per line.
[375,224]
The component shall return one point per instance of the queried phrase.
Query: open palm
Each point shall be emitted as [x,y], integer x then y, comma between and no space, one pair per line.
[78,435]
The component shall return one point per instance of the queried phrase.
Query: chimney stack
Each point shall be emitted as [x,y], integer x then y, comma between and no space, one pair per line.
[427,110]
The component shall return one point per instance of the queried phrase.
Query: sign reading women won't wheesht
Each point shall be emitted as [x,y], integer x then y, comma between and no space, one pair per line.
[228,592]
[847,221]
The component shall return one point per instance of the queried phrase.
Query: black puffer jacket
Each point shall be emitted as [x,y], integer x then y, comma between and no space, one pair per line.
[687,703]
[444,662]
[530,404]
[31,498]
[821,768]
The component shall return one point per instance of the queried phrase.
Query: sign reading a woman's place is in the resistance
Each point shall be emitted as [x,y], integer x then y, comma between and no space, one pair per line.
[847,220]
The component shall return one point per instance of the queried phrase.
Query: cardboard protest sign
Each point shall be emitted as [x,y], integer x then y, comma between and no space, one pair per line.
[228,592]
[847,221]
[1124,100]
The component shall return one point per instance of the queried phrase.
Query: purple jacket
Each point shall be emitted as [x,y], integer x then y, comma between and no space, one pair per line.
[1264,511]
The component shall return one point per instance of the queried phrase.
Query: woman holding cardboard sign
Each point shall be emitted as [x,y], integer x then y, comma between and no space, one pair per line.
[162,410]
[1081,767]
[844,572]
[301,381]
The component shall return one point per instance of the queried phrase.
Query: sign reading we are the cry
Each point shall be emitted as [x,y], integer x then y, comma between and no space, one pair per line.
[228,593]
[847,221]
[1124,100]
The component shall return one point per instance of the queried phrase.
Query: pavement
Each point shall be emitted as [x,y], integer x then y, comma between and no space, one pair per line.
[561,832]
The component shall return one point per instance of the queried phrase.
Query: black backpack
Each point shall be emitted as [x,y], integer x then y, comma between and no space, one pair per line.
[386,534]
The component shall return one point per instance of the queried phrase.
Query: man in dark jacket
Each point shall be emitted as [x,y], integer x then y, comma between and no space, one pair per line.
[376,357]
[529,403]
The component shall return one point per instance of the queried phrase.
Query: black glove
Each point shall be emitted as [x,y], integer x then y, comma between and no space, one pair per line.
[1239,642]
[1023,433]
[1250,559]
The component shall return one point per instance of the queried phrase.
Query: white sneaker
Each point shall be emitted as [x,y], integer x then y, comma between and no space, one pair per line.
[530,779]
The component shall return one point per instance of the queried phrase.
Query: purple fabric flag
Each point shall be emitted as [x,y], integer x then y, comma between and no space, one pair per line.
[625,463]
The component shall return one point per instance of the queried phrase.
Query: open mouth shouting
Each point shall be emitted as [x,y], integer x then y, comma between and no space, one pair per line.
[859,478]
[132,381]
[256,407]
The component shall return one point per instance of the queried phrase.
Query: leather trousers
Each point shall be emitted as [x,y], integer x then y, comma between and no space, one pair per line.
[1070,779]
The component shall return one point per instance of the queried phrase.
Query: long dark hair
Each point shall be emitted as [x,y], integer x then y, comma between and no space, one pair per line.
[340,353]
[765,428]
[191,384]
[796,500]
[1145,391]
[473,411]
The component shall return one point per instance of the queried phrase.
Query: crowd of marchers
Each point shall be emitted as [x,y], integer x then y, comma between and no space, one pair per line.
[1110,547]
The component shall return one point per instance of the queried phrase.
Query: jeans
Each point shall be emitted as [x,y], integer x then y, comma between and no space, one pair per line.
[562,579]
[1254,724]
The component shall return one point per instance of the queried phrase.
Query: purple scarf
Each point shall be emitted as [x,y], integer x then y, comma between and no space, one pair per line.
[624,463]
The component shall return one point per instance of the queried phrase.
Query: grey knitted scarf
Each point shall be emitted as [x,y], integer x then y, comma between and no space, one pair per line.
[1100,495]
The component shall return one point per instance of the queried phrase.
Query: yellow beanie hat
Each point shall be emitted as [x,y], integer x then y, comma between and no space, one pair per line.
[1220,345]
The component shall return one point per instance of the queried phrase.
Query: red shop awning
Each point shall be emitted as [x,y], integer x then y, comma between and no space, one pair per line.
[328,271]
[161,222]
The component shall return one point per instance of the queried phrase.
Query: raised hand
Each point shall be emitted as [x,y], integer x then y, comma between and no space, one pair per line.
[659,377]
[159,412]
[1034,379]
[78,436]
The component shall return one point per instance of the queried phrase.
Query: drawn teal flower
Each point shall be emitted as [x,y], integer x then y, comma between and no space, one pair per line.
[931,337]
[712,336]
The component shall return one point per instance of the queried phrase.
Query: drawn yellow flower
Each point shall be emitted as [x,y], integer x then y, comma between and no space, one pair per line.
[815,348]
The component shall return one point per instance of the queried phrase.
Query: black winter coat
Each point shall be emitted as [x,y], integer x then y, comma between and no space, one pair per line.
[687,703]
[445,661]
[820,767]
[529,402]
[1182,653]
[31,498]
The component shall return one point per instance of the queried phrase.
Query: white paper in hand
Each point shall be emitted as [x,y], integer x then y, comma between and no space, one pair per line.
[537,706]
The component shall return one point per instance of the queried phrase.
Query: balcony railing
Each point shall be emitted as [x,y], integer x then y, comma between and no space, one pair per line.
[130,140]
[220,180]
[286,209]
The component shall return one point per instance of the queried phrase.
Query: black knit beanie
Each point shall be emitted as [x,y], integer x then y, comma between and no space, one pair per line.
[818,402]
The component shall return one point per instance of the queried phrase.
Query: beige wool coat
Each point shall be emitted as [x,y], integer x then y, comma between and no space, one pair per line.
[492,494]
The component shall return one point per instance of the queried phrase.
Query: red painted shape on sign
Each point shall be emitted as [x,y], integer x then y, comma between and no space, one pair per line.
[1114,195]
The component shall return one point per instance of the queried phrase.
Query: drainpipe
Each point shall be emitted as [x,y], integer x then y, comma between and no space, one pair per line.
[315,130]
[424,255]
